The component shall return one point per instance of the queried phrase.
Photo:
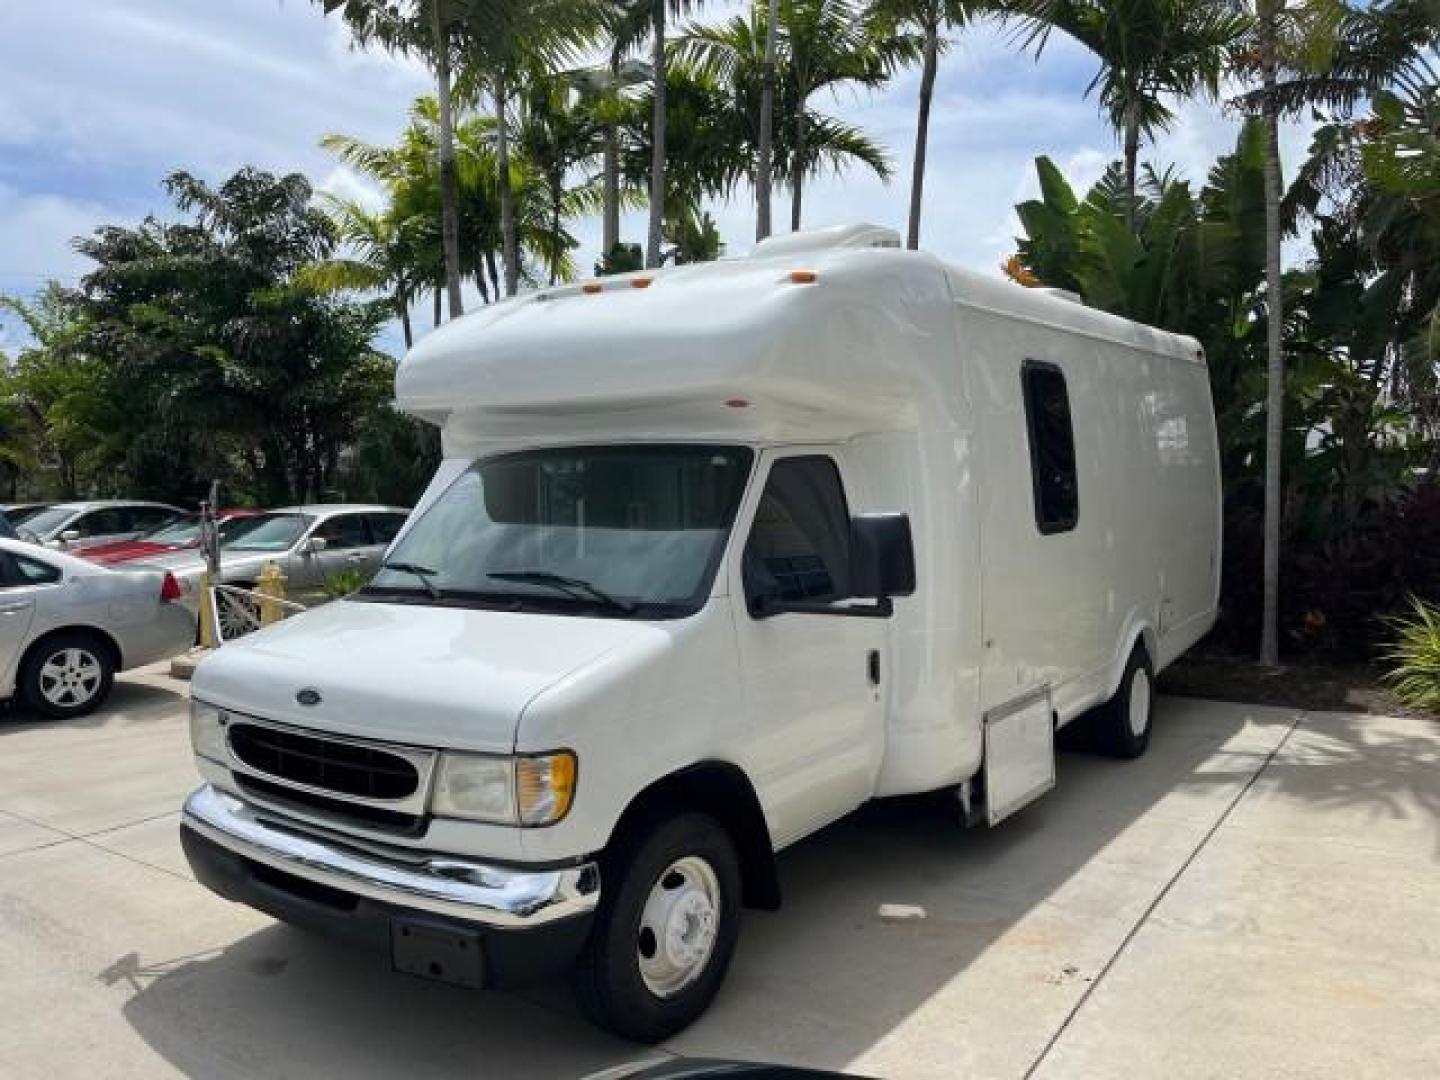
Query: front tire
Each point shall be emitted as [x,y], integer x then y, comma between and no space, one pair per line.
[67,675]
[665,931]
[1122,725]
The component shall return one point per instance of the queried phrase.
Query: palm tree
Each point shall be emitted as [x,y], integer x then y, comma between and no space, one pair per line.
[830,43]
[386,255]
[764,151]
[425,28]
[506,39]
[732,54]
[1149,51]
[556,136]
[932,18]
[1268,12]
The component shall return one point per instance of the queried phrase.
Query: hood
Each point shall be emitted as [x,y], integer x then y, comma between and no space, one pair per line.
[427,676]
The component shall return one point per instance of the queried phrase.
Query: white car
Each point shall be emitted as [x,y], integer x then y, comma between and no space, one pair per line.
[76,526]
[67,626]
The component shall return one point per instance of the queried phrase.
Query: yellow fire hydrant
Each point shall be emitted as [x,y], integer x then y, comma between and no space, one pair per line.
[271,587]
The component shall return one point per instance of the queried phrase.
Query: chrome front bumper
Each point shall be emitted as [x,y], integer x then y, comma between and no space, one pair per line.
[488,896]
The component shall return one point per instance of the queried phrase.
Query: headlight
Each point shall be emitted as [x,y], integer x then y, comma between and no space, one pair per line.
[536,790]
[207,731]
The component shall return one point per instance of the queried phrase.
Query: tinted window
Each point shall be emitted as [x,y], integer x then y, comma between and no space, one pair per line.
[21,570]
[1052,447]
[799,546]
[6,529]
[101,523]
[44,522]
[267,532]
[345,531]
[385,527]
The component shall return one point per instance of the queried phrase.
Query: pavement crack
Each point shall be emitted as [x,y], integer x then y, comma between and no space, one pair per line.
[1159,899]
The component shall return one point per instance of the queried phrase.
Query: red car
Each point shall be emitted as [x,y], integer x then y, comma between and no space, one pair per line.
[174,535]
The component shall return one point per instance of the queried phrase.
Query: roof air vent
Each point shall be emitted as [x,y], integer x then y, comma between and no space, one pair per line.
[857,235]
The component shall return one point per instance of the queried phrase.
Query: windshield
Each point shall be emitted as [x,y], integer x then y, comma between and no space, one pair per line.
[25,514]
[47,521]
[266,532]
[613,530]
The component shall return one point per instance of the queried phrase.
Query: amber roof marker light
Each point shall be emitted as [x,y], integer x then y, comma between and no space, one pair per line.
[641,282]
[592,287]
[803,277]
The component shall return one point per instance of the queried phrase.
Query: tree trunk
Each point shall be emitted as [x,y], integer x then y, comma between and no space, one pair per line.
[797,171]
[494,273]
[1275,325]
[767,125]
[557,193]
[1132,158]
[610,215]
[403,303]
[657,137]
[437,307]
[449,184]
[922,132]
[508,239]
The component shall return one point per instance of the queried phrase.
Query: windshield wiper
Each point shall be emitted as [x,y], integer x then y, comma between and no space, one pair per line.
[573,586]
[423,574]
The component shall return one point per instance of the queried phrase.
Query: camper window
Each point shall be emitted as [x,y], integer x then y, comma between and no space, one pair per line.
[799,546]
[1052,447]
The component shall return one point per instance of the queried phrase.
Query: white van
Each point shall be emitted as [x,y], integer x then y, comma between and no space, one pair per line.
[716,555]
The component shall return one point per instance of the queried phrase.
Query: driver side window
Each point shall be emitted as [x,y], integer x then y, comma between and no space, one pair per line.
[799,544]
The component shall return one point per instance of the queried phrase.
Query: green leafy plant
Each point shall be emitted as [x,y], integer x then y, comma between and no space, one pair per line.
[1415,676]
[344,582]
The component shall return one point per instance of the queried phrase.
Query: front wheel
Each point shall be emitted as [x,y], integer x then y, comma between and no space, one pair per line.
[666,929]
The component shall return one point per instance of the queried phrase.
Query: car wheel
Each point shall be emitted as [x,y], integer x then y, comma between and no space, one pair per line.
[1122,725]
[67,675]
[665,931]
[239,615]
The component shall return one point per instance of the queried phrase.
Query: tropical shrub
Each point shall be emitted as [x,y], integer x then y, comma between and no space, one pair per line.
[1415,656]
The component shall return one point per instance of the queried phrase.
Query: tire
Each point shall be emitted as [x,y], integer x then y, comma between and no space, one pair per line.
[670,875]
[1122,725]
[67,675]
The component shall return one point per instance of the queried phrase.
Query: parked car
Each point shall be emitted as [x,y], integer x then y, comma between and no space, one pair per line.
[78,526]
[67,626]
[311,545]
[177,535]
[855,524]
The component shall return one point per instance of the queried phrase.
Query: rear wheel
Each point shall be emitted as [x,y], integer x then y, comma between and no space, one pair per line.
[668,921]
[67,675]
[1122,725]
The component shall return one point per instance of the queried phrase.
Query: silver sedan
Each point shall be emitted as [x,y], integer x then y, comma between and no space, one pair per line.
[67,626]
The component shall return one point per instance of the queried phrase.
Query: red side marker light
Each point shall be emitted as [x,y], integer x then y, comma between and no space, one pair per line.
[738,403]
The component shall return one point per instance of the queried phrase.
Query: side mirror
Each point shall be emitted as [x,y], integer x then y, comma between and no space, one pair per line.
[315,545]
[70,535]
[882,556]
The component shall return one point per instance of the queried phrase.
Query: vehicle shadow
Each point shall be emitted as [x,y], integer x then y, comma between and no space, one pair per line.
[1003,929]
[131,702]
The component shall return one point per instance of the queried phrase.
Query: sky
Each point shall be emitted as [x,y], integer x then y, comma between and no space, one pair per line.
[101,99]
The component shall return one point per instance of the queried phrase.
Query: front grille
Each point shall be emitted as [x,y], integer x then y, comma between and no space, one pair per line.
[344,768]
[369,817]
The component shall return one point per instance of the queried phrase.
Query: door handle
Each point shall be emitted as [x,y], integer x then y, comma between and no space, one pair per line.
[355,558]
[872,666]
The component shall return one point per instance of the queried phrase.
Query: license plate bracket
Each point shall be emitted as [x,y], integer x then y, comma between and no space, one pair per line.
[437,952]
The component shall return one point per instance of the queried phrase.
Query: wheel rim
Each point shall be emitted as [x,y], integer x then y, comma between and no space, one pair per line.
[678,925]
[1140,703]
[71,678]
[238,616]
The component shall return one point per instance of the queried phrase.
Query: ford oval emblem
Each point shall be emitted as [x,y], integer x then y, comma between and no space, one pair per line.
[309,697]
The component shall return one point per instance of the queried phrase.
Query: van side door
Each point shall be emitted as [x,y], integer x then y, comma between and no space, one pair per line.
[815,723]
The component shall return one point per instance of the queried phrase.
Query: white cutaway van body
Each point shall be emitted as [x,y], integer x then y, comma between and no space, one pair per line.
[716,554]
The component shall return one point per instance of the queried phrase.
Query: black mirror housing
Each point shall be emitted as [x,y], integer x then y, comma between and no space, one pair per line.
[882,555]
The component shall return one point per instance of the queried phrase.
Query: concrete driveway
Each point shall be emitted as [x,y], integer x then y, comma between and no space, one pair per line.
[1258,896]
